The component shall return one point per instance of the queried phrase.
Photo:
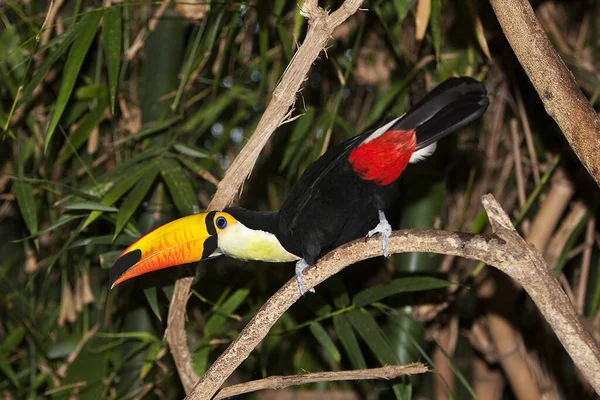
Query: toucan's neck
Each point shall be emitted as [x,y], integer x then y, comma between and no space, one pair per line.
[255,236]
[267,221]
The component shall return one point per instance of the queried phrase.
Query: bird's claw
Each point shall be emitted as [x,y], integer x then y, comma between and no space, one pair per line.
[300,267]
[385,229]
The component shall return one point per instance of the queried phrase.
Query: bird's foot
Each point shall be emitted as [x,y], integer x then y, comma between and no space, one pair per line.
[300,267]
[385,229]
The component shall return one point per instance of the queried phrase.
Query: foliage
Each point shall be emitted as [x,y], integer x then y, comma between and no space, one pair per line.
[119,118]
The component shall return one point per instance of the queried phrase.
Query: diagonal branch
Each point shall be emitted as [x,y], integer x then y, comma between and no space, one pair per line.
[320,28]
[505,250]
[552,80]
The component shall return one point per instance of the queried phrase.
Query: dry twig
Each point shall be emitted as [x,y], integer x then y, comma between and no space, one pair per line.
[280,382]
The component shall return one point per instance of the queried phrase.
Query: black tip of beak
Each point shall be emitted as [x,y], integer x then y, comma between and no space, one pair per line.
[122,264]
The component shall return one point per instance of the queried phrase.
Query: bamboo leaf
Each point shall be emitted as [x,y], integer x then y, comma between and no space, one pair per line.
[134,198]
[349,341]
[75,59]
[403,7]
[68,38]
[180,187]
[217,320]
[400,285]
[299,133]
[191,151]
[81,134]
[152,298]
[90,205]
[111,31]
[11,341]
[366,326]
[372,335]
[122,186]
[27,205]
[323,338]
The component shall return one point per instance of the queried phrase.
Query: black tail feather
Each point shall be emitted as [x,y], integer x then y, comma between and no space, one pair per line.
[447,108]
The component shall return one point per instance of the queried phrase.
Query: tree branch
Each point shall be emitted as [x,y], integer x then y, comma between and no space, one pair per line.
[320,28]
[552,80]
[280,382]
[505,250]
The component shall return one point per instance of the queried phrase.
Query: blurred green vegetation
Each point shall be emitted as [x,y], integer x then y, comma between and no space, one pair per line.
[116,119]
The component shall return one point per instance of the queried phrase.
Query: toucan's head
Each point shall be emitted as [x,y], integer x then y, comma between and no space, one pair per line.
[198,237]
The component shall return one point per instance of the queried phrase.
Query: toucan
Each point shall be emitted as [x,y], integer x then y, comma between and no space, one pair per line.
[342,196]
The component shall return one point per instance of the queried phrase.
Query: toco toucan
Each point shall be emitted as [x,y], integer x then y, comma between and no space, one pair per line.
[341,197]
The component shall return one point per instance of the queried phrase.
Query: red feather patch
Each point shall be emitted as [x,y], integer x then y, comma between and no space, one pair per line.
[383,159]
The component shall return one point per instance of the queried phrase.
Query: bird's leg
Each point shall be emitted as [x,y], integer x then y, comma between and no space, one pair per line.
[385,229]
[300,267]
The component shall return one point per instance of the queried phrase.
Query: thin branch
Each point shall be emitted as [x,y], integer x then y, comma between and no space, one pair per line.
[552,80]
[320,28]
[505,250]
[280,382]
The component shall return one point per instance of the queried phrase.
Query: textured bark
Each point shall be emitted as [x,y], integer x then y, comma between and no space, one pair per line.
[552,80]
[280,382]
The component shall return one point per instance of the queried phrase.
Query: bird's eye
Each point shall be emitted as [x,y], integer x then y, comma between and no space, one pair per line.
[221,222]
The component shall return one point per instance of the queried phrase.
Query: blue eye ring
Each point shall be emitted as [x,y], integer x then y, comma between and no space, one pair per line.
[221,222]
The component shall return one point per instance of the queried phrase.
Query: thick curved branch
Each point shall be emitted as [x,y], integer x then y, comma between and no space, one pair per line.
[552,80]
[505,250]
[320,28]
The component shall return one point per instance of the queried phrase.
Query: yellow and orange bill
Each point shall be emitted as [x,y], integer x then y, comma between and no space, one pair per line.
[185,240]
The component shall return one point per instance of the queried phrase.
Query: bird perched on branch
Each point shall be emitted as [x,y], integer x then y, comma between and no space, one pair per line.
[341,197]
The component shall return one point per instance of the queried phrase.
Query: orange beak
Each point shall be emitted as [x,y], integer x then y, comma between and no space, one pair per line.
[185,240]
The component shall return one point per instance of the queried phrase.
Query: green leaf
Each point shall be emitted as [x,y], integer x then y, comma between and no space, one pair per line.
[298,136]
[81,134]
[7,369]
[134,198]
[323,338]
[349,341]
[111,32]
[180,187]
[156,127]
[372,335]
[403,7]
[200,360]
[26,202]
[77,53]
[12,340]
[122,186]
[436,32]
[151,359]
[216,320]
[145,337]
[368,329]
[68,38]
[192,151]
[400,285]
[90,205]
[152,298]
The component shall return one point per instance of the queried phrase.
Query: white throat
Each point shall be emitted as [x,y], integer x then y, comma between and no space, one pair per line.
[241,242]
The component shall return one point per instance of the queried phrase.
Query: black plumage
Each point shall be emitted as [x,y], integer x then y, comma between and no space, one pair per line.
[331,204]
